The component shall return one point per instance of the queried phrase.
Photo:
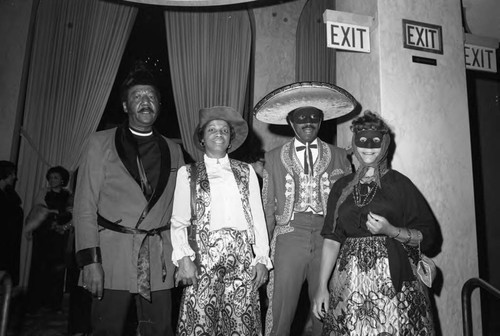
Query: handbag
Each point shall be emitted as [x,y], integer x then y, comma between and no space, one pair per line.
[426,269]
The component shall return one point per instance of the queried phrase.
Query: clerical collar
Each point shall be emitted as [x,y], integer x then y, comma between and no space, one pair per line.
[139,133]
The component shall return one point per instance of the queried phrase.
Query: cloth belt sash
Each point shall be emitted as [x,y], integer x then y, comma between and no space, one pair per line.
[143,262]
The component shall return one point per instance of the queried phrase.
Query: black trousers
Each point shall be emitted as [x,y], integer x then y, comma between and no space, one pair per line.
[154,318]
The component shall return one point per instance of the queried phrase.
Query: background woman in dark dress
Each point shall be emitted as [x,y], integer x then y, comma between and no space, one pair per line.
[50,241]
[376,222]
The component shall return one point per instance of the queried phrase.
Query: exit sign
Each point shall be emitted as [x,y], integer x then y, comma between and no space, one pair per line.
[480,58]
[347,36]
[423,36]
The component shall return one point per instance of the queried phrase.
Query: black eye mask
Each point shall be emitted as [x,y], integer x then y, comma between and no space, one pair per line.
[306,115]
[368,139]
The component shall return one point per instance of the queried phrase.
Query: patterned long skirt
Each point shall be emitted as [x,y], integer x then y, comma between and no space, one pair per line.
[363,300]
[224,303]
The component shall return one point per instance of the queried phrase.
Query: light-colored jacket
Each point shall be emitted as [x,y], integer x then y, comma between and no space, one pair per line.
[105,186]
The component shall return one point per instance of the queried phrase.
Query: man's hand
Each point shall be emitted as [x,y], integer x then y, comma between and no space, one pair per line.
[187,273]
[320,303]
[259,275]
[93,279]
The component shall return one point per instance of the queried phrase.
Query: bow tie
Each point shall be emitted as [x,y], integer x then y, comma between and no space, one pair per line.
[308,159]
[301,148]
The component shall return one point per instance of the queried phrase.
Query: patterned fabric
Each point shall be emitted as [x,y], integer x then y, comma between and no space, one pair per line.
[143,272]
[311,191]
[241,173]
[224,302]
[281,179]
[279,230]
[286,189]
[363,300]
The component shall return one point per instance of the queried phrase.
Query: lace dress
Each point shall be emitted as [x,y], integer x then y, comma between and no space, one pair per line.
[374,289]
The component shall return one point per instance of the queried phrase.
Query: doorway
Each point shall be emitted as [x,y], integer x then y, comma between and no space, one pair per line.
[484,114]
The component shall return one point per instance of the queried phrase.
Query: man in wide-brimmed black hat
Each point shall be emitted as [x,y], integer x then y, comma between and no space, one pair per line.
[297,181]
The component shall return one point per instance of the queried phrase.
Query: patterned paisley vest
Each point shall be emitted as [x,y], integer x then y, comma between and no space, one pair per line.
[200,223]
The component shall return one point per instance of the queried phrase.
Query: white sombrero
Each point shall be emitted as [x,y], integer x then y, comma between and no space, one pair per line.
[331,99]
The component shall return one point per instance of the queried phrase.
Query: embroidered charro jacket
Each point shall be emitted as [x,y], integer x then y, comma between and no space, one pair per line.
[287,189]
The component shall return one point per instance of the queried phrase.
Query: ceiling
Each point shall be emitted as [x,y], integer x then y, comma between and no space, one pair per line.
[483,17]
[191,3]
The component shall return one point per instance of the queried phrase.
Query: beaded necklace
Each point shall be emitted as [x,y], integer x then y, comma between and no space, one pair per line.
[363,199]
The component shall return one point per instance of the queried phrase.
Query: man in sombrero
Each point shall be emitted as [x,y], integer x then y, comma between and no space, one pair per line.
[298,177]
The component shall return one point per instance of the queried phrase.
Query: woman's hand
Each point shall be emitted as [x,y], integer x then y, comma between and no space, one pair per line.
[259,275]
[320,303]
[379,225]
[187,273]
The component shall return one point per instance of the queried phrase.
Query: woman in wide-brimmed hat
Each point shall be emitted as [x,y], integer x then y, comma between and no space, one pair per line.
[219,235]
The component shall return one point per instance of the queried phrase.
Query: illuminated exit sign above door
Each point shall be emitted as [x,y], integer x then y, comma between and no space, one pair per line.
[423,36]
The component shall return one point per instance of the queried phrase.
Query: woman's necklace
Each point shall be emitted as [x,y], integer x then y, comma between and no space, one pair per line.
[363,199]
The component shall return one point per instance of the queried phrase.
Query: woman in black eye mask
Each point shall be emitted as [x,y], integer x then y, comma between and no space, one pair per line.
[376,222]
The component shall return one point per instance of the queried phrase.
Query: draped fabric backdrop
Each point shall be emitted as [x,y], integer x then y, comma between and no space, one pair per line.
[77,48]
[209,55]
[315,61]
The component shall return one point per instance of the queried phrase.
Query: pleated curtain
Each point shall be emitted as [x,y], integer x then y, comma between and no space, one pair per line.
[315,61]
[77,49]
[209,55]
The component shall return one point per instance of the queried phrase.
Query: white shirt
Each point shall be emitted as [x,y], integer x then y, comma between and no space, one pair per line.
[306,180]
[300,155]
[226,209]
